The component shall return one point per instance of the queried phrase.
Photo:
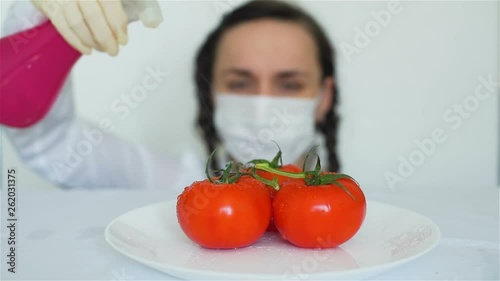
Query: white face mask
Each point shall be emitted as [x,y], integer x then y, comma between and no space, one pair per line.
[248,125]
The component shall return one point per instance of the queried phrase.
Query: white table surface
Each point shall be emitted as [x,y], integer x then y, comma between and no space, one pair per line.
[60,234]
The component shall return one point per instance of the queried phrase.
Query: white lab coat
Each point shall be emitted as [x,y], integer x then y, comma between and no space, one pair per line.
[59,147]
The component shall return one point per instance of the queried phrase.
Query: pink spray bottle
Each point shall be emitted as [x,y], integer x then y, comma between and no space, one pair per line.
[35,63]
[34,66]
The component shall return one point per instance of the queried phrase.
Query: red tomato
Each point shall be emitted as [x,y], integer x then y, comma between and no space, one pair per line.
[281,179]
[323,216]
[224,216]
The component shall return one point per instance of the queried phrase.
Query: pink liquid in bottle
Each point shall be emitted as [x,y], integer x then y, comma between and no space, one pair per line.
[33,67]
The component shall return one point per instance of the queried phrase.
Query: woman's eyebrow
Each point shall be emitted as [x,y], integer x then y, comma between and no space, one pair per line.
[238,71]
[292,73]
[280,75]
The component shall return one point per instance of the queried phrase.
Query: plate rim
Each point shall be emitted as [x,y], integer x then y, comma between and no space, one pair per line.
[217,274]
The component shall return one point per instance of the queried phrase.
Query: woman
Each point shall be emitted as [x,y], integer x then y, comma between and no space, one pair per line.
[264,75]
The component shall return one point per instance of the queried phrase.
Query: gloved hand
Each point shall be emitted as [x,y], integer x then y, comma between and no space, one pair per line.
[148,11]
[98,24]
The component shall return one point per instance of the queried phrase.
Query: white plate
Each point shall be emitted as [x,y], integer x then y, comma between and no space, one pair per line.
[390,236]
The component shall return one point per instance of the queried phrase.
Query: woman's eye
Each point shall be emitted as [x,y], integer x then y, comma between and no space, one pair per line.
[238,85]
[291,86]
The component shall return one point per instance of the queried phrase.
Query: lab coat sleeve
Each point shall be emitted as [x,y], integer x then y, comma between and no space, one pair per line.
[77,154]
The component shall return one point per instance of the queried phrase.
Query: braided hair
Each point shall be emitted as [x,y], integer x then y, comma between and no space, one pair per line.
[250,11]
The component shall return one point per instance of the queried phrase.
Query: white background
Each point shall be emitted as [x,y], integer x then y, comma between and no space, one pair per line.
[394,92]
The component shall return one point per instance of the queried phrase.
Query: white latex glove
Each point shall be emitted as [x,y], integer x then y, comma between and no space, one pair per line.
[98,24]
[147,11]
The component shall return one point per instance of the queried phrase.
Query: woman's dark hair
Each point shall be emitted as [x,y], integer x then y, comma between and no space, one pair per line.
[250,11]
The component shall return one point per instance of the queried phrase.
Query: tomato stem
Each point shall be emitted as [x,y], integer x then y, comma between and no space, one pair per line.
[267,167]
[312,178]
[274,183]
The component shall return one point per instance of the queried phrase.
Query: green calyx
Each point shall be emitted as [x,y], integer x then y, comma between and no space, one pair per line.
[228,175]
[276,163]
